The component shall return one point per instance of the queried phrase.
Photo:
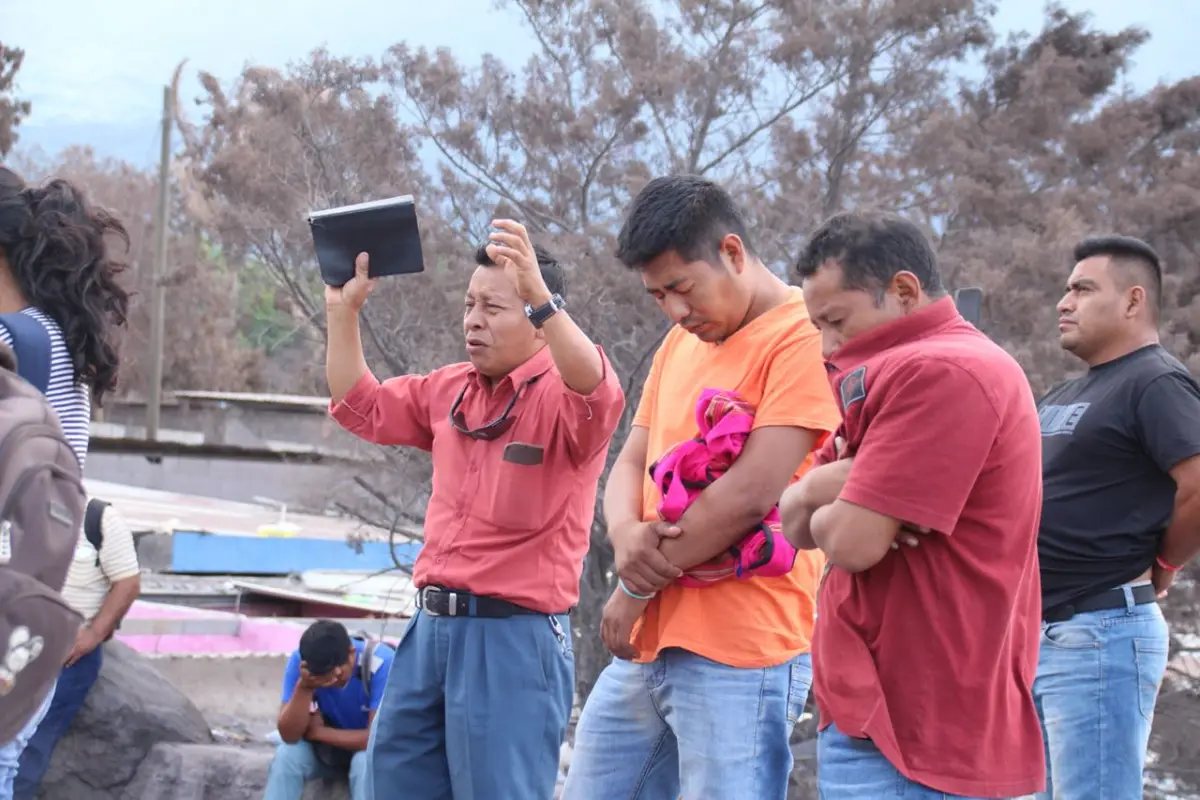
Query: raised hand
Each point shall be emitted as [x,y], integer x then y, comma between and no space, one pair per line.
[351,296]
[510,248]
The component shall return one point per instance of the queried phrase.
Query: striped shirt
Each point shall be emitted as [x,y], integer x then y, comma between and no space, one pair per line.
[88,583]
[70,399]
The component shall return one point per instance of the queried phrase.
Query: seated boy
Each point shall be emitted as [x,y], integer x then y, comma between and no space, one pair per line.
[331,689]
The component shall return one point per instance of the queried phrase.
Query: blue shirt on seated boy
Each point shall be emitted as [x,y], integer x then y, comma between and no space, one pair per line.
[331,689]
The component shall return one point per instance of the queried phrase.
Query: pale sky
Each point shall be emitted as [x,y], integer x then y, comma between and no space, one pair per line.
[94,71]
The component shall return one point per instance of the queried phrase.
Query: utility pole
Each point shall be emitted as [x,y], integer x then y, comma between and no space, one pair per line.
[157,290]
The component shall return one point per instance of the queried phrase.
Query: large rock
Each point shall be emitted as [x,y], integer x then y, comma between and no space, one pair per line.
[213,772]
[131,708]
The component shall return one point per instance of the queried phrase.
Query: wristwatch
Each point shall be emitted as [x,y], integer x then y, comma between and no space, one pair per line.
[539,315]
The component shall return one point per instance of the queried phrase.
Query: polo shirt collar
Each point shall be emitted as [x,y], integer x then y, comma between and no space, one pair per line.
[534,367]
[917,325]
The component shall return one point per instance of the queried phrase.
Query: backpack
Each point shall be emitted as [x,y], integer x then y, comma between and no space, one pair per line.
[93,531]
[41,510]
[93,528]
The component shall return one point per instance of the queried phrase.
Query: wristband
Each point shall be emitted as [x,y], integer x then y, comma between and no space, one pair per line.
[1163,563]
[634,595]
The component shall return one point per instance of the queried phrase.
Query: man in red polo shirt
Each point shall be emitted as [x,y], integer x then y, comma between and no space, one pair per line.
[483,684]
[923,657]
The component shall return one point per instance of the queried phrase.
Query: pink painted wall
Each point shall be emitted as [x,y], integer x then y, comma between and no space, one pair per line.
[256,635]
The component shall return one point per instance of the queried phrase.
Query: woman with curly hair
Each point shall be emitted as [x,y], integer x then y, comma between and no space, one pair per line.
[60,300]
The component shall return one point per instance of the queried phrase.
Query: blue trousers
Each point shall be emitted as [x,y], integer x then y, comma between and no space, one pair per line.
[74,684]
[854,769]
[474,709]
[296,764]
[1097,683]
[10,752]
[683,724]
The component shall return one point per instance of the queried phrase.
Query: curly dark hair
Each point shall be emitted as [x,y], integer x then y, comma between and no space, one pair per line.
[55,244]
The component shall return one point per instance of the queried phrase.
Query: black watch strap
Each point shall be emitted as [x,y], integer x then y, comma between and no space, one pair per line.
[539,315]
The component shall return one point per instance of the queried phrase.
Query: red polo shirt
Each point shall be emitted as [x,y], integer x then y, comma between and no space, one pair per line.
[495,527]
[932,652]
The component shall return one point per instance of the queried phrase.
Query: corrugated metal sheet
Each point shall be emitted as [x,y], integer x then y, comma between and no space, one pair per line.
[292,401]
[401,603]
[167,512]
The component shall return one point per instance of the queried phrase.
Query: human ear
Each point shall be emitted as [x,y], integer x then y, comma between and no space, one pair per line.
[907,289]
[1135,300]
[733,252]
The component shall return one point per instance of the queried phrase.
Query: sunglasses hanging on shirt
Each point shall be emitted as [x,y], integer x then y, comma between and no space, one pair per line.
[494,429]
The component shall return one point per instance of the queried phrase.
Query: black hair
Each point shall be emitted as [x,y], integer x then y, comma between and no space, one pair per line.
[324,646]
[552,271]
[684,214]
[871,247]
[55,244]
[1131,254]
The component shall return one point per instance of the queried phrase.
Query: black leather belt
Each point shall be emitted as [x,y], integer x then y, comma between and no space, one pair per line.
[438,601]
[1105,601]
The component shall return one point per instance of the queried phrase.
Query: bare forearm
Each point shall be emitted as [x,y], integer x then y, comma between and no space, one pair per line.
[575,355]
[1181,543]
[818,488]
[717,519]
[345,363]
[346,740]
[293,718]
[852,537]
[796,517]
[116,604]
[623,495]
[733,505]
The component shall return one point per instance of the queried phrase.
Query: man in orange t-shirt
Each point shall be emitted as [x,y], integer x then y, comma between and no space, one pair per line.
[721,673]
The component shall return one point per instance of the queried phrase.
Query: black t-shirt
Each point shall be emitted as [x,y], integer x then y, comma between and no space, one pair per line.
[1109,439]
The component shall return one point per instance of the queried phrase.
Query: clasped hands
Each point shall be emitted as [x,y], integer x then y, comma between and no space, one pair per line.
[643,570]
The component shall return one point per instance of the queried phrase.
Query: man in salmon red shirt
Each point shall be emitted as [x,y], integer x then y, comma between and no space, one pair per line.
[483,685]
[721,673]
[924,656]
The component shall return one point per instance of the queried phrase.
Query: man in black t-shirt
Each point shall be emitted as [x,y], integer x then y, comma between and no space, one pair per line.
[1120,516]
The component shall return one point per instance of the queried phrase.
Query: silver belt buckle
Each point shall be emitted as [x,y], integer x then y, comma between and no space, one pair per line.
[451,601]
[423,600]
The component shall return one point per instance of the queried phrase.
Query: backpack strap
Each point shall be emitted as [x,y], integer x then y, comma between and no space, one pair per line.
[31,346]
[93,528]
[364,661]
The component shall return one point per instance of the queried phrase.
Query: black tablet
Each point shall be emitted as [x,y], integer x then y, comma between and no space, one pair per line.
[386,230]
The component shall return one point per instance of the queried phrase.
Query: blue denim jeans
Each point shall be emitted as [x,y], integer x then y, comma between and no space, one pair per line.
[10,753]
[474,709]
[296,764]
[1097,682]
[683,724]
[854,769]
[70,692]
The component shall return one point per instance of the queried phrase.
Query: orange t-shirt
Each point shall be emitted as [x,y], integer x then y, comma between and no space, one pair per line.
[775,363]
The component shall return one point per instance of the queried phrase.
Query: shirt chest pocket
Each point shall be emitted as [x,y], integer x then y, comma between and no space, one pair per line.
[516,497]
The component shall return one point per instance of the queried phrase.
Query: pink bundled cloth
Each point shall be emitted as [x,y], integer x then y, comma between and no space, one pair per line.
[725,420]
